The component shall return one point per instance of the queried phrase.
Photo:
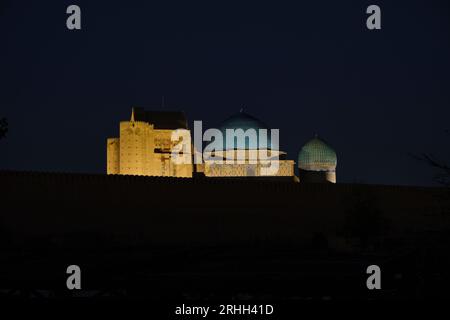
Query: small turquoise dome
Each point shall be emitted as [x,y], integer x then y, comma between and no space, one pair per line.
[245,122]
[316,155]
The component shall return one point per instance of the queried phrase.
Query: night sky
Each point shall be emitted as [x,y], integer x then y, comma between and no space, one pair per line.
[305,68]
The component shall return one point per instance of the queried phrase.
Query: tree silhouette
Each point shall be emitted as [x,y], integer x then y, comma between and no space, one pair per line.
[3,232]
[443,176]
[443,168]
[3,127]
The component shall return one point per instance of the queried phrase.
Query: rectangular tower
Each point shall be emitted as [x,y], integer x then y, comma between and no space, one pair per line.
[145,145]
[113,156]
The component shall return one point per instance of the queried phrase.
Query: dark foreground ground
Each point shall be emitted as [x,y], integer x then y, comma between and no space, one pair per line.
[179,241]
[223,273]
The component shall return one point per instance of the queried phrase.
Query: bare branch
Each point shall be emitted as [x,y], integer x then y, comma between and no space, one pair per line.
[443,177]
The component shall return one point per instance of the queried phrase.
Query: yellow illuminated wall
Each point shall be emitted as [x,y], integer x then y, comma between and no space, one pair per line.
[143,150]
[113,155]
[213,169]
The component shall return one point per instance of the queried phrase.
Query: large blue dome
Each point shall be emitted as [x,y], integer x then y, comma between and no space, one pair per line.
[245,121]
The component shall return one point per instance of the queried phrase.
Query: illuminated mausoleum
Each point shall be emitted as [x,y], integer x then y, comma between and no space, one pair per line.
[146,147]
[249,156]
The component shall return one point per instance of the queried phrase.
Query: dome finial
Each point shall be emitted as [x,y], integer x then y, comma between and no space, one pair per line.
[132,114]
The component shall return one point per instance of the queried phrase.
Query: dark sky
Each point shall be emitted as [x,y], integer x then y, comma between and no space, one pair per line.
[304,67]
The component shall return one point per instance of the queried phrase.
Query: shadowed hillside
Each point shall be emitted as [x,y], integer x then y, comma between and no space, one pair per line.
[182,235]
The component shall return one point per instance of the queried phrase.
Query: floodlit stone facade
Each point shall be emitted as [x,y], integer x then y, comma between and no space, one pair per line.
[145,148]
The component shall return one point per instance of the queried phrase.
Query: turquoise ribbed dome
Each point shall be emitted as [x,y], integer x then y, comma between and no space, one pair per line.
[245,121]
[316,155]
